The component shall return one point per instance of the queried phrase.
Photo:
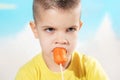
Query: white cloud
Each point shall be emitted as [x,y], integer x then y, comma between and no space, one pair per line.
[4,6]
[15,51]
[105,47]
[105,31]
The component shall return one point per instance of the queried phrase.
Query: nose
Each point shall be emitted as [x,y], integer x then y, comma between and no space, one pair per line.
[61,39]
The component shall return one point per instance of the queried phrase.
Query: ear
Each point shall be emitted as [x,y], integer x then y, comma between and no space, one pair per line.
[81,23]
[34,29]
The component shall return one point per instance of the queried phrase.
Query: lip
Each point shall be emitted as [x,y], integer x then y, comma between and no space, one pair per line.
[60,47]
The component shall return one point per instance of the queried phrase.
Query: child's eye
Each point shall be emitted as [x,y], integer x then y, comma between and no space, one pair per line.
[49,29]
[71,29]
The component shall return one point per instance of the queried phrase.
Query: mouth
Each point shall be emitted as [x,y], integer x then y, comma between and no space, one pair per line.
[59,55]
[60,48]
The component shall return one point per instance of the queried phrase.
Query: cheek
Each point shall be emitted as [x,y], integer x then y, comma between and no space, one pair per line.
[45,43]
[73,42]
[73,38]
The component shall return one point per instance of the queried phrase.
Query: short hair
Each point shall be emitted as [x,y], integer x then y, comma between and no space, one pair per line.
[49,4]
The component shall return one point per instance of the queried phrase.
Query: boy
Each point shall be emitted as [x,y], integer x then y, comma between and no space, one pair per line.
[56,25]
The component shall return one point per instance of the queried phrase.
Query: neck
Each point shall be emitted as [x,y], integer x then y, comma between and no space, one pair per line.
[55,67]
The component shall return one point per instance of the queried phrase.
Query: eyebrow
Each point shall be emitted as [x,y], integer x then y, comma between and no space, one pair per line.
[47,26]
[74,26]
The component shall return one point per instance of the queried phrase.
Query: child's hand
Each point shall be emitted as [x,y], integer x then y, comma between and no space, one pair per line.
[59,55]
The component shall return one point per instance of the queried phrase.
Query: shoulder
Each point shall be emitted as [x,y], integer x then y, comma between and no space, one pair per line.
[33,62]
[94,70]
[85,59]
[91,67]
[89,62]
[29,69]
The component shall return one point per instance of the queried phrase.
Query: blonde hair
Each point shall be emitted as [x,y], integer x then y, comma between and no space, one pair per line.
[49,4]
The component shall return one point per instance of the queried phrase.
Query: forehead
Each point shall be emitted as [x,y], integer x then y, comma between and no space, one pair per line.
[58,17]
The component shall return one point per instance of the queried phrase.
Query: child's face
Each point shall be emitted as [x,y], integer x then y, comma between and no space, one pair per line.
[57,28]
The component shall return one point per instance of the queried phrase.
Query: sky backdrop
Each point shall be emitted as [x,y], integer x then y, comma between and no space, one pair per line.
[14,15]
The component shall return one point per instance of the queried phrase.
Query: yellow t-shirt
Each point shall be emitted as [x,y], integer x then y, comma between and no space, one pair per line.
[81,67]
